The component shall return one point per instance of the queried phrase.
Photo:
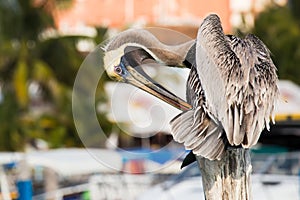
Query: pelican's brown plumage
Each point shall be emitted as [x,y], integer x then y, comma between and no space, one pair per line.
[244,89]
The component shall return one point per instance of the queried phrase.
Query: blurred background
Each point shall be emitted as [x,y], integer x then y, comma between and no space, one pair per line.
[42,46]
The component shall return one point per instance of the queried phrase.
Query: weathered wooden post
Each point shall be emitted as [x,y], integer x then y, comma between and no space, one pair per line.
[228,178]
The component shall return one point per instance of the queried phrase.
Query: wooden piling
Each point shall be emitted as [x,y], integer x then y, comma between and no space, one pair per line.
[228,178]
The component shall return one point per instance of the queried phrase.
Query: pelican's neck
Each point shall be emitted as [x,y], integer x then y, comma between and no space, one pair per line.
[172,55]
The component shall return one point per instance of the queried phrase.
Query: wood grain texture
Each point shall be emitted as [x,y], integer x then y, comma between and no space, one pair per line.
[228,178]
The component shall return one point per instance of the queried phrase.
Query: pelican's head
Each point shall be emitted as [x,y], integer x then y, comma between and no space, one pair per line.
[123,63]
[117,61]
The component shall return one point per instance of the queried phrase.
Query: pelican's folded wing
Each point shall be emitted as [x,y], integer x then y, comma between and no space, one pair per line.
[235,73]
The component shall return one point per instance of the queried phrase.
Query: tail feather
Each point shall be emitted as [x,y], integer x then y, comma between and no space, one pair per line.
[199,133]
[189,158]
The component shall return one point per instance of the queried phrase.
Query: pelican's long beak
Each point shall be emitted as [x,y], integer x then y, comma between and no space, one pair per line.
[137,77]
[129,70]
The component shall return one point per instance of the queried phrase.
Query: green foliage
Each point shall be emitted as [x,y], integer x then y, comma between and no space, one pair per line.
[61,54]
[279,29]
[20,83]
[48,65]
[21,20]
[294,6]
[10,137]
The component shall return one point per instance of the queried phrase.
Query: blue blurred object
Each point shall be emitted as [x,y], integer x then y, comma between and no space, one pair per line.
[160,156]
[10,165]
[24,189]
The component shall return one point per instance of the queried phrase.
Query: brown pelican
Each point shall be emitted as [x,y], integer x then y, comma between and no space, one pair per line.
[231,89]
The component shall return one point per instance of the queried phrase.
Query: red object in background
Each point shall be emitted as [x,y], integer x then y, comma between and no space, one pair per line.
[121,13]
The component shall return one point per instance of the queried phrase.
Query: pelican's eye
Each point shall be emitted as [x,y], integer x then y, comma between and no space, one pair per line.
[118,69]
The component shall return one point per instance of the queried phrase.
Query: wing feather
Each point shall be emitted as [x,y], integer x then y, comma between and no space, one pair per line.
[239,81]
[203,137]
[216,65]
[238,136]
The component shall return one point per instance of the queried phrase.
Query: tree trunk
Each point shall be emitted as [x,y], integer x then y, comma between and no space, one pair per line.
[228,178]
